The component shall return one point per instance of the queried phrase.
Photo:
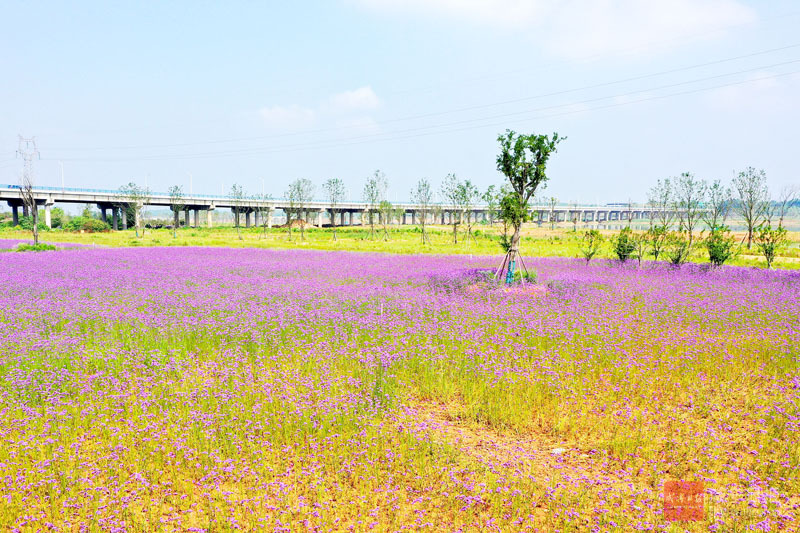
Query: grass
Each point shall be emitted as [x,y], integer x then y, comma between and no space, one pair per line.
[221,389]
[537,241]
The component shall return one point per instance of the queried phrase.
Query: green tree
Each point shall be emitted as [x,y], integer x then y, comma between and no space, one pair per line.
[770,241]
[592,241]
[523,160]
[624,244]
[137,198]
[720,245]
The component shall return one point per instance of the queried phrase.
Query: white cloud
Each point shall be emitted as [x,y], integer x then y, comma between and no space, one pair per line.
[581,28]
[363,98]
[348,108]
[293,116]
[642,27]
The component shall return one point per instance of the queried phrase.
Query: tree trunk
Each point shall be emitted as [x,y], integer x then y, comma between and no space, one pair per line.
[35,211]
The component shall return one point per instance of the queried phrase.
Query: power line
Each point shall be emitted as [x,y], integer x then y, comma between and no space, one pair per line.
[463,109]
[460,125]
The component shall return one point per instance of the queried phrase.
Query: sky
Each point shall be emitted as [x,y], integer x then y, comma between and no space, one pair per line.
[208,94]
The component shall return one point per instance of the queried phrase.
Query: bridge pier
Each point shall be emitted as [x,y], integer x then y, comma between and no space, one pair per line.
[14,213]
[47,219]
[114,218]
[186,217]
[256,217]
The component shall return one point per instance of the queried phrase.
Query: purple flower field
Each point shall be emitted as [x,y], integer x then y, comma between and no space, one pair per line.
[202,389]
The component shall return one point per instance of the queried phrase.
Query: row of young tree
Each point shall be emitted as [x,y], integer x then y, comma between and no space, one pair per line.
[683,203]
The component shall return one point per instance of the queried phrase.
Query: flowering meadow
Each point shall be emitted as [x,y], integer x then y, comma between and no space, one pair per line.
[204,389]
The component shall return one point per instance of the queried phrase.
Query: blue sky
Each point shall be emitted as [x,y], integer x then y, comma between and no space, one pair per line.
[263,94]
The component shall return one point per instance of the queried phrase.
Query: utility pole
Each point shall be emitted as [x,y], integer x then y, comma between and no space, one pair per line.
[27,150]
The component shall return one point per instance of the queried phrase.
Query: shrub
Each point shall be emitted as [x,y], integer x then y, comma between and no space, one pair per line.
[41,247]
[769,241]
[26,223]
[88,224]
[624,244]
[720,245]
[592,240]
[677,248]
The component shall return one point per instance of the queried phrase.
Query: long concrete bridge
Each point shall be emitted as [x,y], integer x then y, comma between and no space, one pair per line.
[114,208]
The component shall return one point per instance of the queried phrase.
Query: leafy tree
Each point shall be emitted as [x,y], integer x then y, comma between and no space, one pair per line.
[334,191]
[137,198]
[176,205]
[770,241]
[374,192]
[592,241]
[624,244]
[511,214]
[752,202]
[423,197]
[656,238]
[720,245]
[523,160]
[677,247]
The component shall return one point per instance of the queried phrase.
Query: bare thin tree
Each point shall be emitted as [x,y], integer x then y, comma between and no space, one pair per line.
[752,199]
[452,195]
[787,197]
[661,198]
[334,191]
[468,197]
[176,204]
[688,200]
[719,200]
[423,196]
[374,193]
[300,193]
[237,197]
[29,202]
[552,202]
